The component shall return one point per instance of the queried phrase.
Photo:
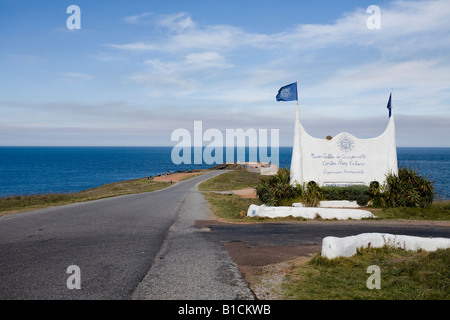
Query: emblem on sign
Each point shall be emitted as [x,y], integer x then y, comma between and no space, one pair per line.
[346,143]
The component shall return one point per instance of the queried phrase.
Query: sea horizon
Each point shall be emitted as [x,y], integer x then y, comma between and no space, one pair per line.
[27,170]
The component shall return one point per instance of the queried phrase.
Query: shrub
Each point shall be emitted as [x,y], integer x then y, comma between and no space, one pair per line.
[407,189]
[358,193]
[277,189]
[312,194]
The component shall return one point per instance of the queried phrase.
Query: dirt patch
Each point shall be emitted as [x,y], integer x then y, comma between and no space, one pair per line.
[248,193]
[208,223]
[175,177]
[266,282]
[247,254]
[265,267]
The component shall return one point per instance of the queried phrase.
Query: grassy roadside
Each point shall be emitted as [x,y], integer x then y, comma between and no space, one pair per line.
[438,211]
[9,205]
[15,204]
[404,275]
[231,180]
[231,207]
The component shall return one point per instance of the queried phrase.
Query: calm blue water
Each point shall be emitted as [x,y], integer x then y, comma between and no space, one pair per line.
[37,170]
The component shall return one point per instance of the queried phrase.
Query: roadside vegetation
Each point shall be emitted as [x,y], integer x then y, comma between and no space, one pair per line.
[439,211]
[404,275]
[230,207]
[407,189]
[15,204]
[231,180]
[396,200]
[32,202]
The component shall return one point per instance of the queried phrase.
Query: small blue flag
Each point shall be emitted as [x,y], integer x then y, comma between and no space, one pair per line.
[288,93]
[389,105]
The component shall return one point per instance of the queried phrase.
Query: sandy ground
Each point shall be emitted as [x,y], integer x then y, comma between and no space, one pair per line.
[249,193]
[175,177]
[265,267]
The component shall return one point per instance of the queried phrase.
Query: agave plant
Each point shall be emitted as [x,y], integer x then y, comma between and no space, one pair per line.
[312,194]
[275,189]
[407,189]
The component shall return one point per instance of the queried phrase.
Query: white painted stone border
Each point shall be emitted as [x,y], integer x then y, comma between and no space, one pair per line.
[339,204]
[333,204]
[308,212]
[333,247]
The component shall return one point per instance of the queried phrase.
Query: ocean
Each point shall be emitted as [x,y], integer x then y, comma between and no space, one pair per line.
[39,170]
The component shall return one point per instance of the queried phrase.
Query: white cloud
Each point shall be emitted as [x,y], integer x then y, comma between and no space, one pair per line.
[76,76]
[421,20]
[430,75]
[207,59]
[188,36]
[102,56]
[179,22]
[403,18]
[409,53]
[180,77]
[228,76]
[136,19]
[135,46]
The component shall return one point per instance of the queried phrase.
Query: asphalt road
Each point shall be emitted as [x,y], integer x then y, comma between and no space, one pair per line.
[113,241]
[268,243]
[157,245]
[312,232]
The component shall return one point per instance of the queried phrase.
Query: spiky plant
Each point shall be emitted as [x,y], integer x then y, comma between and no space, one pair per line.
[407,189]
[275,189]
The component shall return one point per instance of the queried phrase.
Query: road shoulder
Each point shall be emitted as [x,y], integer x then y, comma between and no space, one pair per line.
[191,267]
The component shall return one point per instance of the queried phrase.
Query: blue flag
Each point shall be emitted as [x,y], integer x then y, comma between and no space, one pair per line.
[389,105]
[288,93]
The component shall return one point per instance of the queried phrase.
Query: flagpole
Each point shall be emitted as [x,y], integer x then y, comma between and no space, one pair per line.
[391,97]
[296,82]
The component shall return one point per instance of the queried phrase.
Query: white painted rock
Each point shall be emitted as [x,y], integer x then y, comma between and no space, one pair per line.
[308,212]
[333,247]
[333,204]
[338,204]
[298,204]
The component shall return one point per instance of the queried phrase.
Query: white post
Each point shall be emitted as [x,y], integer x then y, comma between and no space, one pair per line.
[296,161]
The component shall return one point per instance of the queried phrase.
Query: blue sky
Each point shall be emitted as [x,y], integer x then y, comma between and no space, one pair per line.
[138,70]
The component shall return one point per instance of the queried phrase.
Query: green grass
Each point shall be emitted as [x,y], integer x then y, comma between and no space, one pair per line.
[231,180]
[229,206]
[439,210]
[23,203]
[232,208]
[405,275]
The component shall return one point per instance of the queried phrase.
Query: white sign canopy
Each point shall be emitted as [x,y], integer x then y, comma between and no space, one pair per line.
[344,159]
